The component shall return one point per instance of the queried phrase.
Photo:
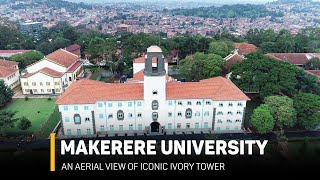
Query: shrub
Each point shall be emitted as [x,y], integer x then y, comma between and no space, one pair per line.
[26,98]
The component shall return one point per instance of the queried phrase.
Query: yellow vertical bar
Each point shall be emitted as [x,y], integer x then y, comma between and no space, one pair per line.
[52,152]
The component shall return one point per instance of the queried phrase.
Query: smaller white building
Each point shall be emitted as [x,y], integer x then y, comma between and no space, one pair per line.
[53,74]
[9,73]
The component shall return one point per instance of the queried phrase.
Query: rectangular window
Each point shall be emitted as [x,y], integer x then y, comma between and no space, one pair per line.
[101,116]
[70,78]
[140,127]
[169,114]
[78,131]
[56,83]
[69,132]
[208,103]
[99,104]
[49,90]
[42,90]
[102,128]
[67,119]
[77,120]
[236,128]
[196,125]
[129,104]
[110,116]
[139,104]
[86,108]
[41,84]
[88,131]
[179,103]
[198,103]
[65,108]
[230,104]
[197,113]
[229,121]
[169,126]
[57,90]
[179,114]
[240,104]
[48,83]
[111,128]
[206,113]
[189,103]
[130,115]
[25,83]
[27,90]
[75,108]
[205,125]
[219,113]
[120,127]
[109,104]
[228,128]
[218,128]
[220,104]
[119,104]
[130,127]
[219,121]
[170,103]
[34,83]
[179,126]
[139,115]
[230,113]
[188,126]
[239,112]
[35,90]
[154,115]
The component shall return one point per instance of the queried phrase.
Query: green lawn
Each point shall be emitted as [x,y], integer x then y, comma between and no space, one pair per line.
[36,110]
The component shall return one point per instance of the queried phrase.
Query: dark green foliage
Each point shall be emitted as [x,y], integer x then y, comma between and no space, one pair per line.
[24,123]
[27,58]
[262,119]
[6,93]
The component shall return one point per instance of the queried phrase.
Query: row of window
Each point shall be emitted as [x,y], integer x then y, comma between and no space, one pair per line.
[189,103]
[229,113]
[42,90]
[219,121]
[12,76]
[41,83]
[230,104]
[227,128]
[120,104]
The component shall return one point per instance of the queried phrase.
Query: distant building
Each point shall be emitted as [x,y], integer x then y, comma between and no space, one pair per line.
[297,59]
[244,48]
[31,29]
[124,28]
[74,49]
[53,74]
[9,73]
[171,34]
[9,53]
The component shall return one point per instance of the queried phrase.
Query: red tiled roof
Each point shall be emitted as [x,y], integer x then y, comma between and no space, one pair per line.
[88,91]
[9,64]
[231,61]
[13,51]
[293,58]
[63,57]
[245,48]
[75,66]
[139,76]
[47,71]
[314,72]
[143,60]
[73,47]
[6,71]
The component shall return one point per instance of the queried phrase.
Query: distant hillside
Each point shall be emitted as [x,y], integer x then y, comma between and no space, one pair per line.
[227,11]
[56,4]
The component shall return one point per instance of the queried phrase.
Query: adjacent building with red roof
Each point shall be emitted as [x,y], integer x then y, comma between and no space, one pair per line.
[315,73]
[9,53]
[244,48]
[151,104]
[297,59]
[54,73]
[9,73]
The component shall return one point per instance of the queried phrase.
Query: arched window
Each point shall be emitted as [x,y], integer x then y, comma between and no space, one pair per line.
[77,119]
[120,115]
[155,105]
[188,113]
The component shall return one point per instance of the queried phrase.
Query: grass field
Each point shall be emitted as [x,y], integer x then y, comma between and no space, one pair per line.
[36,110]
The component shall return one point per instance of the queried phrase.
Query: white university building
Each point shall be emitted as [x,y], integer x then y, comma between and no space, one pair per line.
[154,104]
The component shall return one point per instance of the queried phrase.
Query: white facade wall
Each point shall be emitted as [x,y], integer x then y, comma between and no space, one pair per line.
[41,83]
[45,63]
[202,116]
[140,66]
[12,80]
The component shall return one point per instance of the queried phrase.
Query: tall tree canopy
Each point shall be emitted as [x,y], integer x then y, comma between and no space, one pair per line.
[25,59]
[7,120]
[268,76]
[262,119]
[201,66]
[282,110]
[6,93]
[221,48]
[313,64]
[308,109]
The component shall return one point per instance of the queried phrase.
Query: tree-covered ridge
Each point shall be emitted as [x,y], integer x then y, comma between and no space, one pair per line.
[228,11]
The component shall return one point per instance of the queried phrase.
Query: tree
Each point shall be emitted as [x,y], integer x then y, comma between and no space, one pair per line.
[7,120]
[307,83]
[268,47]
[221,48]
[308,109]
[282,110]
[285,42]
[6,93]
[201,66]
[268,76]
[313,64]
[262,119]
[24,123]
[9,33]
[60,42]
[27,58]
